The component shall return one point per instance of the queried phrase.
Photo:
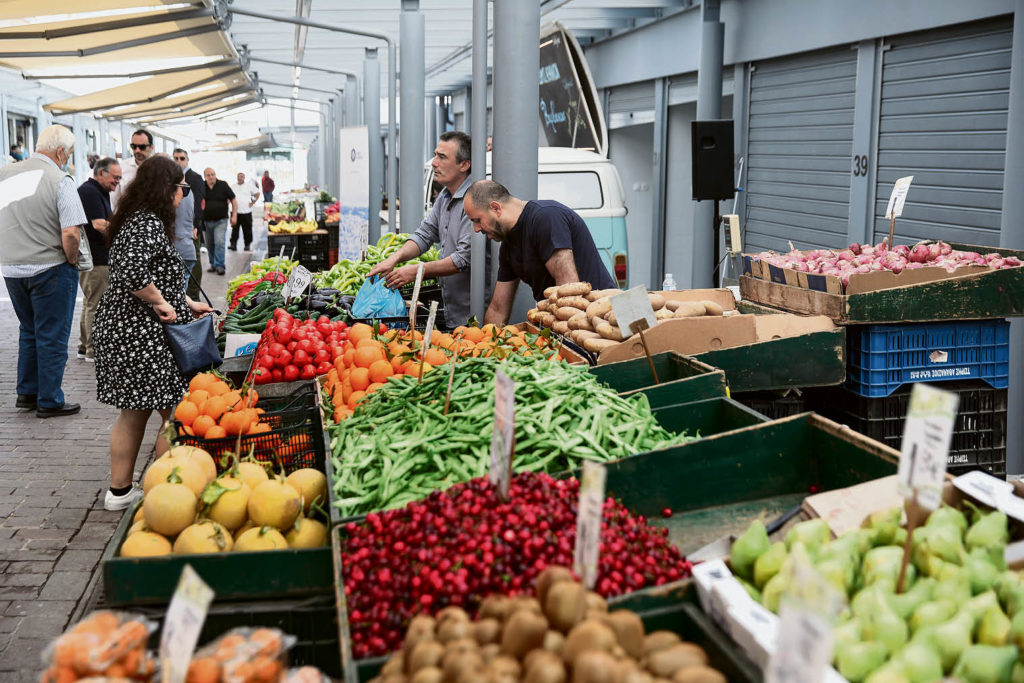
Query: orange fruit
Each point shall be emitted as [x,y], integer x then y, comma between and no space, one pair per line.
[368,342]
[396,364]
[260,428]
[186,412]
[380,370]
[489,330]
[460,331]
[359,331]
[199,397]
[412,368]
[203,670]
[435,357]
[232,400]
[355,398]
[349,357]
[202,424]
[214,407]
[215,432]
[200,381]
[251,397]
[360,379]
[218,388]
[365,356]
[233,424]
[269,641]
[474,334]
[374,387]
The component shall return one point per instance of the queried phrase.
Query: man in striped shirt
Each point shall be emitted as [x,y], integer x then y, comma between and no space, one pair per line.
[41,216]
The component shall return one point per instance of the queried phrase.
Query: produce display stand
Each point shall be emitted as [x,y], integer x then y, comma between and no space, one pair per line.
[311,248]
[714,486]
[978,295]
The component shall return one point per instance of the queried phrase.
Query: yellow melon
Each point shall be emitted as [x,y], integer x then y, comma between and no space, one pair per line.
[274,503]
[190,472]
[260,538]
[205,536]
[169,507]
[311,486]
[145,544]
[307,533]
[201,458]
[226,501]
[252,473]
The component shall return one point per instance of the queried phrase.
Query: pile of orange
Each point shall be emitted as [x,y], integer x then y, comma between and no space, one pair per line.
[213,410]
[103,644]
[240,656]
[368,360]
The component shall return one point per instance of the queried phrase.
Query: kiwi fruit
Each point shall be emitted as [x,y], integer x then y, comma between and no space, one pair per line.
[565,604]
[629,631]
[594,666]
[698,674]
[666,662]
[495,606]
[487,630]
[426,653]
[544,667]
[660,640]
[595,603]
[454,628]
[524,632]
[428,674]
[589,634]
[553,642]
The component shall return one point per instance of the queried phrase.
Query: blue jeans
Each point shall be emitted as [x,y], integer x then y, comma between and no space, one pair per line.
[45,305]
[268,197]
[189,265]
[216,233]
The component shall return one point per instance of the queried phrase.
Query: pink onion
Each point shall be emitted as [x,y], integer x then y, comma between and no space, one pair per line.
[997,262]
[919,254]
[933,251]
[914,265]
[1012,261]
[855,248]
[902,249]
[944,248]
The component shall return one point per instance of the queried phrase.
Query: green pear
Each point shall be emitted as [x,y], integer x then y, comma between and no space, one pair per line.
[890,672]
[839,575]
[747,548]
[855,661]
[982,571]
[990,530]
[921,663]
[751,590]
[1016,634]
[899,537]
[871,600]
[943,541]
[932,613]
[1014,602]
[883,563]
[1006,582]
[814,533]
[772,592]
[925,636]
[956,587]
[1018,673]
[887,628]
[978,605]
[906,602]
[948,515]
[769,563]
[952,638]
[994,628]
[986,664]
[847,632]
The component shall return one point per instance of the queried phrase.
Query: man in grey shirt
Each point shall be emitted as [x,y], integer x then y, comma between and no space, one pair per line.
[185,232]
[447,225]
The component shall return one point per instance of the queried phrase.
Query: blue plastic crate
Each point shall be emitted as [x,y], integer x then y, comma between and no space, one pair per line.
[882,358]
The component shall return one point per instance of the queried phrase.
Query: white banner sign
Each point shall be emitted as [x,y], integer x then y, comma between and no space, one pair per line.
[354,197]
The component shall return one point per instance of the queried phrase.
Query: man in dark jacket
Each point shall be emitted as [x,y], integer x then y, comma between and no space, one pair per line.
[198,194]
[95,196]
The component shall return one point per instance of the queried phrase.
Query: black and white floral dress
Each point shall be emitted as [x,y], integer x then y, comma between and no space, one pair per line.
[135,369]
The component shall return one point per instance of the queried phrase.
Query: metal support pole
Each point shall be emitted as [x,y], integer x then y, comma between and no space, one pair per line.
[709,106]
[477,128]
[410,159]
[5,130]
[1011,235]
[440,117]
[81,164]
[125,139]
[430,132]
[352,111]
[468,111]
[371,114]
[659,181]
[516,94]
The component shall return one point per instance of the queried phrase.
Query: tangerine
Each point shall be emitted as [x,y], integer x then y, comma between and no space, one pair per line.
[396,364]
[359,331]
[365,356]
[474,334]
[435,357]
[214,407]
[380,370]
[215,432]
[201,381]
[203,670]
[199,396]
[186,412]
[201,425]
[374,387]
[359,379]
[218,388]
[354,398]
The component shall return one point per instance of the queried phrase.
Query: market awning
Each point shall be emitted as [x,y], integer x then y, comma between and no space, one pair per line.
[209,107]
[244,145]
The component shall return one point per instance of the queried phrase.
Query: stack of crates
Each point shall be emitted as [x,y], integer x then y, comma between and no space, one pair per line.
[310,248]
[968,357]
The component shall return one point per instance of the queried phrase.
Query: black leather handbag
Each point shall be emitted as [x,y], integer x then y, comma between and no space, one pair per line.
[194,344]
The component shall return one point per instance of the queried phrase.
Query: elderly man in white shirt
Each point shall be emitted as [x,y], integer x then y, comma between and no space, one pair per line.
[246,192]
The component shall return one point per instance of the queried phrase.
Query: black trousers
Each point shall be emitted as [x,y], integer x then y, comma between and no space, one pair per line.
[245,222]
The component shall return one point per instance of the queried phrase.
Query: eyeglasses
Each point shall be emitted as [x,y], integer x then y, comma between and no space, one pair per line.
[139,147]
[181,158]
[185,188]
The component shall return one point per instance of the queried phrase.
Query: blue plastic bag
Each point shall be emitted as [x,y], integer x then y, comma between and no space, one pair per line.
[375,300]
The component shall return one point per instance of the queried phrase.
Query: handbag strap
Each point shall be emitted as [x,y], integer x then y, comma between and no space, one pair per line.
[192,279]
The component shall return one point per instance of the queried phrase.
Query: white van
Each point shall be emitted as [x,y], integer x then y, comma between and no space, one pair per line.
[587,183]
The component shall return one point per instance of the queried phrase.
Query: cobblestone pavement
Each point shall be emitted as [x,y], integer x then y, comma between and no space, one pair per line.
[53,472]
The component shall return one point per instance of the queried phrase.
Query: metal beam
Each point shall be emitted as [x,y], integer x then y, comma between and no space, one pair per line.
[392,84]
[302,65]
[478,169]
[410,158]
[292,85]
[659,181]
[371,115]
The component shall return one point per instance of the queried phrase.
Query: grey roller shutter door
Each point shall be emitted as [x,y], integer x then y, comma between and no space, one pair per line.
[631,104]
[800,142]
[943,120]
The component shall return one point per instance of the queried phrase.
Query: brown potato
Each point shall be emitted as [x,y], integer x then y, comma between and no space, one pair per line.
[663,314]
[532,316]
[601,293]
[580,322]
[547,319]
[573,302]
[712,308]
[574,289]
[550,292]
[598,345]
[560,326]
[608,331]
[544,306]
[581,336]
[698,674]
[567,313]
[657,300]
[671,304]
[599,308]
[690,309]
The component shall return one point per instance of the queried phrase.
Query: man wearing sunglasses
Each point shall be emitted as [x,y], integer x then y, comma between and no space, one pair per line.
[95,196]
[142,149]
[195,198]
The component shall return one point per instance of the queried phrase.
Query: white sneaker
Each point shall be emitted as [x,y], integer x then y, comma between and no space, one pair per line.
[202,250]
[112,502]
[89,359]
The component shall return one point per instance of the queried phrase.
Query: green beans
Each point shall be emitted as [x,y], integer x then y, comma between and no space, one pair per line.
[399,441]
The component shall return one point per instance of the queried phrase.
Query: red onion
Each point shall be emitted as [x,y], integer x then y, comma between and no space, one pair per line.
[855,248]
[919,254]
[944,248]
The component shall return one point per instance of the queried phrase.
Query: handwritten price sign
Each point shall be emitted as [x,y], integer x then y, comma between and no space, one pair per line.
[927,433]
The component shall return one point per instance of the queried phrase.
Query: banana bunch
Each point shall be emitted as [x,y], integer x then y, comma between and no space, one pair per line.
[292,227]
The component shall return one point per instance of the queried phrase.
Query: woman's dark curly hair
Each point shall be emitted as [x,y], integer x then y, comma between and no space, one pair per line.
[152,191]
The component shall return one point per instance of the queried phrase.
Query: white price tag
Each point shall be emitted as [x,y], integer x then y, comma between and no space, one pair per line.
[927,433]
[184,621]
[503,433]
[299,279]
[984,488]
[803,649]
[430,325]
[415,296]
[630,307]
[589,513]
[898,197]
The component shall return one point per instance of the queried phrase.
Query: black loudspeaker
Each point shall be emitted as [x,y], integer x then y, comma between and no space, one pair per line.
[712,145]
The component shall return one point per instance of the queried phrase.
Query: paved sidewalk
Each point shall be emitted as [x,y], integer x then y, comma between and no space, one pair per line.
[53,472]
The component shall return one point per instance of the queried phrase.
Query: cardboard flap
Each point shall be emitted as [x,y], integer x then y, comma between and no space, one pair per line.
[787,325]
[845,509]
[722,297]
[687,336]
[884,279]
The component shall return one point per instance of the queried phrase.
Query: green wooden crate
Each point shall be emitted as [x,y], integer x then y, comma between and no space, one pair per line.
[994,294]
[152,580]
[714,486]
[681,378]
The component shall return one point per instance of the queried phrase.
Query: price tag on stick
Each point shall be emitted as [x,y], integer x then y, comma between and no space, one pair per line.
[896,201]
[299,279]
[503,435]
[426,337]
[634,314]
[588,523]
[451,378]
[414,304]
[185,616]
[927,433]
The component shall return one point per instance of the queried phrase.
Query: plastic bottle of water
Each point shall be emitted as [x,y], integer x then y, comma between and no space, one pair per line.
[668,285]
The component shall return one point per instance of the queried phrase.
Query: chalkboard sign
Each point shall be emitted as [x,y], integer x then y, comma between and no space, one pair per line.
[567,106]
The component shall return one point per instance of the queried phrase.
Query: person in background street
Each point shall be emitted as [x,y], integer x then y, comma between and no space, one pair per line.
[198,194]
[185,235]
[246,194]
[17,153]
[215,215]
[543,243]
[268,187]
[446,224]
[135,369]
[142,148]
[40,228]
[95,196]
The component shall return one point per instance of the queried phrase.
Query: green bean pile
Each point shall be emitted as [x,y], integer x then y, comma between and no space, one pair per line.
[399,446]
